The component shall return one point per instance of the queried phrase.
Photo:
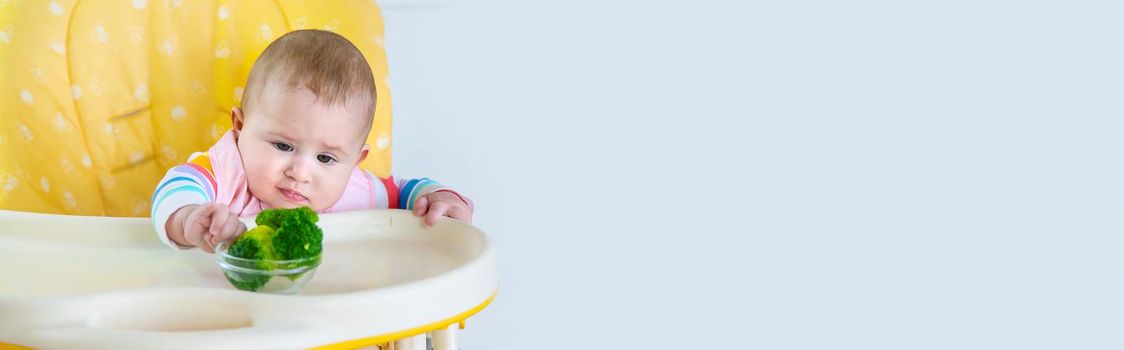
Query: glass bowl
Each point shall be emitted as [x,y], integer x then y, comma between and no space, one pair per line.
[266,276]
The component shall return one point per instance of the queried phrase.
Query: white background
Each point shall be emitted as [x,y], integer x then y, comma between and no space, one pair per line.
[777,174]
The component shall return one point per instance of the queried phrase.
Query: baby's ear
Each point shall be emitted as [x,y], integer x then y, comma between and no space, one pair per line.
[236,119]
[363,153]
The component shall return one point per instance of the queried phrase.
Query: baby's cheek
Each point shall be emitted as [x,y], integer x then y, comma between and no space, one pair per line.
[253,173]
[335,190]
[259,176]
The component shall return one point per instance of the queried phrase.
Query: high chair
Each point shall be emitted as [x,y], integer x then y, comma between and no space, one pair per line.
[99,98]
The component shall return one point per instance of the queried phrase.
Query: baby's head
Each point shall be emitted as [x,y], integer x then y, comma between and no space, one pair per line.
[306,111]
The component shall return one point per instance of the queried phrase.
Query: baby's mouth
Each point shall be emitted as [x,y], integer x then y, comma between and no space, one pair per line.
[293,196]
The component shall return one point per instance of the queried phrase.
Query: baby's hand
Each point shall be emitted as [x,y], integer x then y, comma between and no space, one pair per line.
[208,224]
[442,203]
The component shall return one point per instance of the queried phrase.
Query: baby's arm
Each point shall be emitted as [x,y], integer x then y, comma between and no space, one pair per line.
[436,204]
[184,213]
[203,226]
[428,198]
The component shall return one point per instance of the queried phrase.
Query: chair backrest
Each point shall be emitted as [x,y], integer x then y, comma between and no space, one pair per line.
[98,98]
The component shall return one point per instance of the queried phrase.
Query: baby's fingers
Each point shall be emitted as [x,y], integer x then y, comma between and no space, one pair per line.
[200,217]
[421,205]
[196,224]
[460,213]
[232,228]
[206,245]
[218,220]
[437,210]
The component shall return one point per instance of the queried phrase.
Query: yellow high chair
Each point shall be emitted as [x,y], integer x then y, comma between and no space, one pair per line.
[99,98]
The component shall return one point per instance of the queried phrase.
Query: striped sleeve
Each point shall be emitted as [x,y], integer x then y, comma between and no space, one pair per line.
[183,185]
[412,189]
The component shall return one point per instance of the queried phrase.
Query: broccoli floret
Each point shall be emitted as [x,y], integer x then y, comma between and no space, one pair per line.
[281,234]
[255,244]
[297,236]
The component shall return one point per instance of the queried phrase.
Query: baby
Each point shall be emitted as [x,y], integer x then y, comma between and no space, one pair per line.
[297,141]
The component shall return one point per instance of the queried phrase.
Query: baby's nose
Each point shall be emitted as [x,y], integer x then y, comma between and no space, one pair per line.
[298,171]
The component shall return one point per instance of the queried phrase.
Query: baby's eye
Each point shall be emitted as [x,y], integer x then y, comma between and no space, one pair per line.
[283,147]
[326,159]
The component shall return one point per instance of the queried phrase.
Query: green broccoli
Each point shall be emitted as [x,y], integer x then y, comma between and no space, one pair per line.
[281,234]
[297,236]
[255,244]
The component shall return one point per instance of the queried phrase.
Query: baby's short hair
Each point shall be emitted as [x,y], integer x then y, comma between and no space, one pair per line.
[325,63]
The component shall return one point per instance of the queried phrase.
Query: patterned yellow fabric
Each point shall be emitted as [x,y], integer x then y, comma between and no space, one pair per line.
[99,98]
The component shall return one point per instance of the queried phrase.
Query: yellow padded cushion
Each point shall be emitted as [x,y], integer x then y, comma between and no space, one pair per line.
[99,98]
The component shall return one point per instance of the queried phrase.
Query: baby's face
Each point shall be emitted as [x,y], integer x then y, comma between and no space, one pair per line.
[298,151]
